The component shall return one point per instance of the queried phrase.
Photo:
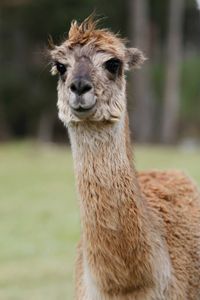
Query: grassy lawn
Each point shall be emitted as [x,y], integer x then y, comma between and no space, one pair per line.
[39,222]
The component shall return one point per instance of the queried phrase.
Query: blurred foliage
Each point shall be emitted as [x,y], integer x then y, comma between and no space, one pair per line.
[190,89]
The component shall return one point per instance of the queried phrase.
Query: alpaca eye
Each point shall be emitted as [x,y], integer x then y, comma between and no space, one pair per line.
[61,68]
[113,65]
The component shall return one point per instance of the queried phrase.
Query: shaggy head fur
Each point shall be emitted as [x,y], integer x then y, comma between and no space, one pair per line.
[99,58]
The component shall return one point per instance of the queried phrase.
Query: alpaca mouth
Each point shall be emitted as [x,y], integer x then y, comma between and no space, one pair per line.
[83,112]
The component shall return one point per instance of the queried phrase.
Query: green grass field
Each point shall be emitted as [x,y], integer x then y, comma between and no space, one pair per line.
[39,222]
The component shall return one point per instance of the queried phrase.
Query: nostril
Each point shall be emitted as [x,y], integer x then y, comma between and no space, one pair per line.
[80,86]
[73,88]
[86,88]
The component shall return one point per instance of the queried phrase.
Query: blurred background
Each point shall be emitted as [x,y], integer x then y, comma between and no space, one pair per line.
[39,223]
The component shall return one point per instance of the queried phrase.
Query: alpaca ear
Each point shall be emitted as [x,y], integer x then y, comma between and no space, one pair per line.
[134,58]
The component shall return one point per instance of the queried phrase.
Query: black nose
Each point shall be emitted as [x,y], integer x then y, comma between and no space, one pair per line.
[80,86]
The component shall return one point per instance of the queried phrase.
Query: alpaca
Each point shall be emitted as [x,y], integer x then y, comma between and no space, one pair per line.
[140,232]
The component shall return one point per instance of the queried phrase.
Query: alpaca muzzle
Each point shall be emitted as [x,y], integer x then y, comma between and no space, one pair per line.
[82,99]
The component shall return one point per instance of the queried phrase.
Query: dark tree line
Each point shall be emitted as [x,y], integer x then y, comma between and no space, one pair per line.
[164,96]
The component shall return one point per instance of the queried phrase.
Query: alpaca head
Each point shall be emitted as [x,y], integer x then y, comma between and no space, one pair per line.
[91,65]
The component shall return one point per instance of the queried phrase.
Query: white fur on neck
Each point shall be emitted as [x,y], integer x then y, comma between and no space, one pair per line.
[91,140]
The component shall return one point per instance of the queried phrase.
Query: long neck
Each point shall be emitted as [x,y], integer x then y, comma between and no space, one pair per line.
[117,231]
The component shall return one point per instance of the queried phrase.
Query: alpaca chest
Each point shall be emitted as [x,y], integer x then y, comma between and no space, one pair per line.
[91,291]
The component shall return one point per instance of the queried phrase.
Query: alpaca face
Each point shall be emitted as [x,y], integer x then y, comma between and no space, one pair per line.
[91,84]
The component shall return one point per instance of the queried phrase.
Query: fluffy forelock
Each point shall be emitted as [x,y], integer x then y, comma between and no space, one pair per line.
[102,39]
